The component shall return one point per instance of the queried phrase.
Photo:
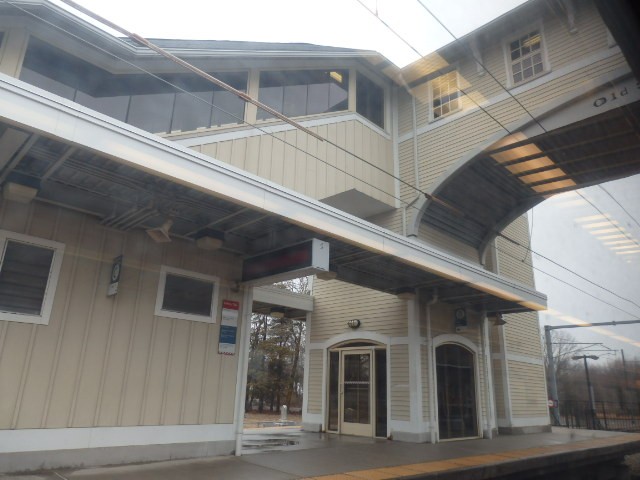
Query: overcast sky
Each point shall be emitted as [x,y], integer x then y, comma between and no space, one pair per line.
[559,224]
[339,23]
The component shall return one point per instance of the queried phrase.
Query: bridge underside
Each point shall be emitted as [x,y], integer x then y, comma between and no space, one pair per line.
[506,180]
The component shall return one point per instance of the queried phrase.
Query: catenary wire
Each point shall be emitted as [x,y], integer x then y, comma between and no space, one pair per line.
[534,119]
[263,130]
[620,205]
[566,282]
[627,235]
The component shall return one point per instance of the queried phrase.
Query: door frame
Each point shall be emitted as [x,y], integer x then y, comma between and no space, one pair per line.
[347,428]
[453,339]
[350,346]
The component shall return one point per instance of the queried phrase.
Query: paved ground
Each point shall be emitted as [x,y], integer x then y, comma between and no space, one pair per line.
[292,454]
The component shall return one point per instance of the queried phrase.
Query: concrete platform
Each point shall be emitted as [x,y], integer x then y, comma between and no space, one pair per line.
[292,454]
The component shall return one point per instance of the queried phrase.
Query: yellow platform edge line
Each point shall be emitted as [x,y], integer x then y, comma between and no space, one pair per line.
[401,471]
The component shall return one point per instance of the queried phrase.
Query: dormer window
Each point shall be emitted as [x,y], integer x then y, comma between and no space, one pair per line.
[445,95]
[526,57]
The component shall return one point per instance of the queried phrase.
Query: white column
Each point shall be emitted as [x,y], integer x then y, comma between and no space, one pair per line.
[243,365]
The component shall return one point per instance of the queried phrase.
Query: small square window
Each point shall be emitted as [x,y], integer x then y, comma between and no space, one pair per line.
[187,295]
[445,95]
[526,58]
[29,270]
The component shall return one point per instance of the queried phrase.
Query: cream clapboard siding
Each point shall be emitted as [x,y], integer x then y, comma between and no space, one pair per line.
[514,260]
[338,302]
[314,389]
[522,334]
[108,361]
[447,244]
[527,386]
[390,220]
[447,142]
[335,172]
[399,382]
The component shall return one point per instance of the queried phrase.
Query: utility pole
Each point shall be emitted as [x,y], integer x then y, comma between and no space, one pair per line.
[555,410]
[592,403]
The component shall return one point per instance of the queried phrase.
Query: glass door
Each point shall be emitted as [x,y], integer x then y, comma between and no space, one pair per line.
[457,416]
[356,403]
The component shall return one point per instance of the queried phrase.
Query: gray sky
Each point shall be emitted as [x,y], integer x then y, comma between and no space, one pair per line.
[339,23]
[603,247]
[560,229]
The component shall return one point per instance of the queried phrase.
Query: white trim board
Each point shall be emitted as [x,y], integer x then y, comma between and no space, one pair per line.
[41,439]
[518,358]
[268,128]
[524,422]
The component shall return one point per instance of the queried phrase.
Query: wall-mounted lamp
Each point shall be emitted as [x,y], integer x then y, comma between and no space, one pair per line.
[18,193]
[161,234]
[498,321]
[277,312]
[406,293]
[355,323]
[209,239]
[328,275]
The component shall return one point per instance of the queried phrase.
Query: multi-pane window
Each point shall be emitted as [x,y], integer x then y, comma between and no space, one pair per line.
[28,274]
[445,94]
[296,93]
[370,100]
[157,104]
[526,57]
[187,295]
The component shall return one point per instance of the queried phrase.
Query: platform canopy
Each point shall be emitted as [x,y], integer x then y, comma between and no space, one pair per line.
[128,179]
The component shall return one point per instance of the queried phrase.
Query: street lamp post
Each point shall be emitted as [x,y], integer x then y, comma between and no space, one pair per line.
[592,403]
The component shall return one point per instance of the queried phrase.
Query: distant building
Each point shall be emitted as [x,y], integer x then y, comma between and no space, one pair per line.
[142,205]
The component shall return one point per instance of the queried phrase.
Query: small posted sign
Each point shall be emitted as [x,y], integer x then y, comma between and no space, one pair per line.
[116,269]
[229,327]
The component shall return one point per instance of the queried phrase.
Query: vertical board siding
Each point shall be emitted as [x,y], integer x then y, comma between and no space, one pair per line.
[287,158]
[399,383]
[338,302]
[424,373]
[314,389]
[498,388]
[108,361]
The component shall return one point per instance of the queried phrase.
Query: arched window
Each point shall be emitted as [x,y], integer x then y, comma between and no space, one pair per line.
[457,412]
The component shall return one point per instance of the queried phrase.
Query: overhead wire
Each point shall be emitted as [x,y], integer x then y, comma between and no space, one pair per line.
[620,205]
[537,122]
[262,129]
[265,131]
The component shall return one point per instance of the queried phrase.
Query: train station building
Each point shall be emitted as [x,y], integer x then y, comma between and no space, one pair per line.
[145,212]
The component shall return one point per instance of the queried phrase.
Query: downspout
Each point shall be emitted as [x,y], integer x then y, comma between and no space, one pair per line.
[488,377]
[416,171]
[431,380]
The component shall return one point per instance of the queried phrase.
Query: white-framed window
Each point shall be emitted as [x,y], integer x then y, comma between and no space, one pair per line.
[187,295]
[29,271]
[445,95]
[526,57]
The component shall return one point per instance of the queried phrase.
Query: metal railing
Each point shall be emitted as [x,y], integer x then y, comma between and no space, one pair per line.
[606,416]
